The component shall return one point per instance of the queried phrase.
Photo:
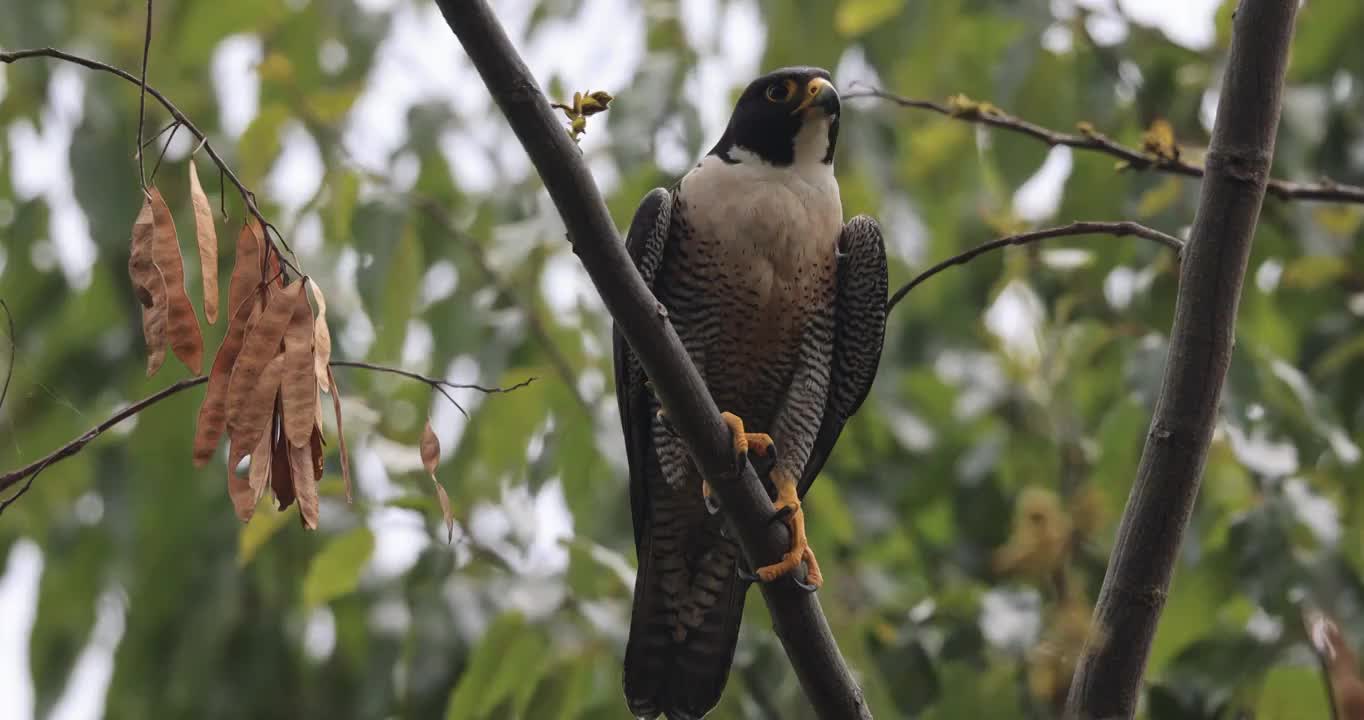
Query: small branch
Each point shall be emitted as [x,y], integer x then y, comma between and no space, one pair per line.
[9,479]
[437,384]
[491,277]
[1108,675]
[1116,229]
[1327,190]
[142,97]
[796,614]
[248,197]
[13,352]
[31,470]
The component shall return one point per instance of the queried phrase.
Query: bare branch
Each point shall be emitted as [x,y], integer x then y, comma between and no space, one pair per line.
[1108,676]
[31,470]
[13,352]
[1116,229]
[799,621]
[1089,139]
[437,384]
[142,97]
[248,197]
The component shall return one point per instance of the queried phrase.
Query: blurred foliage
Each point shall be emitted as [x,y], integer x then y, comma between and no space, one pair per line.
[964,521]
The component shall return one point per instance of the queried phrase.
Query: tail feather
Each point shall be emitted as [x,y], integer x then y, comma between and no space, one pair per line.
[684,625]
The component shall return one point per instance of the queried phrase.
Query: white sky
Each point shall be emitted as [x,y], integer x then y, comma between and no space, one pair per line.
[418,62]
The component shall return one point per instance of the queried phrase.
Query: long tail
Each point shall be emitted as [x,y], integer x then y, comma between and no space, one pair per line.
[688,604]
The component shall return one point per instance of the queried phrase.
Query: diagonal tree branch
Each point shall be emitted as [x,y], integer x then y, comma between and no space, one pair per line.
[1116,229]
[800,623]
[1108,675]
[10,479]
[1092,140]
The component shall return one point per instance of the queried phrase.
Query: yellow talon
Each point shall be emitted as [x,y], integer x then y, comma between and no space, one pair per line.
[759,443]
[800,546]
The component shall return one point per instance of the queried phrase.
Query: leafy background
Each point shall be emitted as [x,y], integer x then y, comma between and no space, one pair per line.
[131,590]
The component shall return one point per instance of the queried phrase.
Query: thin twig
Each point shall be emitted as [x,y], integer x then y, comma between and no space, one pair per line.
[248,197]
[9,479]
[142,96]
[172,124]
[13,352]
[537,327]
[31,470]
[436,384]
[164,148]
[1116,229]
[1088,139]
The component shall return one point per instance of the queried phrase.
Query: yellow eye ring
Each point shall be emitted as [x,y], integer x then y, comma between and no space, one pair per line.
[781,93]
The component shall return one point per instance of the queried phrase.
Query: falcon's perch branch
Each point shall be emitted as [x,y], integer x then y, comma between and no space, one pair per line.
[799,621]
[1107,680]
[1326,190]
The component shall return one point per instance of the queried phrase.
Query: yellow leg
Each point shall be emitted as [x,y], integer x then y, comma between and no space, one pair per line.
[800,546]
[759,443]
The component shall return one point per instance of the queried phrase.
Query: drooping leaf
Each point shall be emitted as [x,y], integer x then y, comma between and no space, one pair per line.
[322,338]
[259,348]
[182,325]
[299,389]
[150,287]
[447,513]
[340,433]
[259,473]
[207,238]
[305,483]
[257,405]
[430,449]
[246,270]
[335,571]
[281,472]
[213,412]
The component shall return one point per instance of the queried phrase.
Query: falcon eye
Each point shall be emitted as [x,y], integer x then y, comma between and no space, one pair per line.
[781,93]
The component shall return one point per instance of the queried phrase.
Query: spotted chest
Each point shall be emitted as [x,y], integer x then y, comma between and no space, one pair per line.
[754,261]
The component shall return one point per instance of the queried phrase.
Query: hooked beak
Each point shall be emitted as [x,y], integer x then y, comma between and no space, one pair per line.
[819,93]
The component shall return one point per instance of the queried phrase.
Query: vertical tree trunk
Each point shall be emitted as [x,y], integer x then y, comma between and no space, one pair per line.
[1107,680]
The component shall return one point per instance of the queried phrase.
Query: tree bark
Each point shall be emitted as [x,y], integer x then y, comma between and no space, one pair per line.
[1107,679]
[799,621]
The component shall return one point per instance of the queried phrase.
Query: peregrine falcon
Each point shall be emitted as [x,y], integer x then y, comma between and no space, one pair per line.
[782,307]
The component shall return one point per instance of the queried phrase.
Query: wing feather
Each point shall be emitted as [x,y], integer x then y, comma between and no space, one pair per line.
[859,332]
[645,242]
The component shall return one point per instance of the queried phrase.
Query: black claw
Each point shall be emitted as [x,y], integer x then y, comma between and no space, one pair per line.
[746,575]
[807,587]
[712,503]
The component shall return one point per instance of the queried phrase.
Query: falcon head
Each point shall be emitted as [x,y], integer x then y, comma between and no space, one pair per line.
[786,117]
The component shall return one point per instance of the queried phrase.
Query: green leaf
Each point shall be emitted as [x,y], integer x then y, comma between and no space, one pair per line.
[505,666]
[261,143]
[335,571]
[855,17]
[264,525]
[402,282]
[1293,692]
